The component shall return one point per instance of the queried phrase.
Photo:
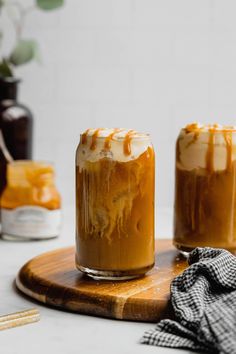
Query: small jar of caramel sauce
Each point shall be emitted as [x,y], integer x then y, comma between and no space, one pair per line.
[114,204]
[30,202]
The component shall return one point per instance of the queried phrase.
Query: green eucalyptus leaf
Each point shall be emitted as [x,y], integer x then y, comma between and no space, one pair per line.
[25,51]
[5,69]
[49,4]
[37,54]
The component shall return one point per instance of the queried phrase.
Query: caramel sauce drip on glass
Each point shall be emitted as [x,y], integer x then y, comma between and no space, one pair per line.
[212,129]
[194,127]
[227,132]
[229,147]
[210,151]
[107,143]
[94,139]
[127,142]
[108,139]
[84,137]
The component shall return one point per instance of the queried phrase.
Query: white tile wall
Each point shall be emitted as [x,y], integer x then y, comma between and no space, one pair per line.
[153,65]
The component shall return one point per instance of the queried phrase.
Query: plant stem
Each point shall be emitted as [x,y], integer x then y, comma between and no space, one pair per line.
[23,12]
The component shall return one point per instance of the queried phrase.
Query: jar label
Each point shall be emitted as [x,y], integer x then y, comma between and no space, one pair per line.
[31,222]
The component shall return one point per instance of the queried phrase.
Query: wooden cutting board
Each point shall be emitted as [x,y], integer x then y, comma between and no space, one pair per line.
[52,279]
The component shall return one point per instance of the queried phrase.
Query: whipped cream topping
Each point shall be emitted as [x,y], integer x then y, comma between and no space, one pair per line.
[118,144]
[211,147]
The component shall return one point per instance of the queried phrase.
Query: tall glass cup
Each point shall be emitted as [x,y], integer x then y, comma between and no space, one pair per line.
[205,188]
[114,203]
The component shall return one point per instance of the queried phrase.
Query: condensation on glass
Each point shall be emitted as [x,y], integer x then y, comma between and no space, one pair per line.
[114,203]
[205,189]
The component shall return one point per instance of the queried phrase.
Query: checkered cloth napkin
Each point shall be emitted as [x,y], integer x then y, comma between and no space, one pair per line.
[203,298]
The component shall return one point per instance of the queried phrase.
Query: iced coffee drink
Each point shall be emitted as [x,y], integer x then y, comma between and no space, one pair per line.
[114,203]
[205,190]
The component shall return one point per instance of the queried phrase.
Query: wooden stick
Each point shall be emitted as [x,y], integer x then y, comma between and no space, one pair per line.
[19,318]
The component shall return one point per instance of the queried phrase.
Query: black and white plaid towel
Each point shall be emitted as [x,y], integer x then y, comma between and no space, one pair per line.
[204,303]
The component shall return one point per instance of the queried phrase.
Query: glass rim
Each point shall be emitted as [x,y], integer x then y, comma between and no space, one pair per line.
[206,129]
[137,137]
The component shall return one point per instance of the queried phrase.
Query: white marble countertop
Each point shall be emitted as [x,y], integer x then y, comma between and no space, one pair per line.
[62,332]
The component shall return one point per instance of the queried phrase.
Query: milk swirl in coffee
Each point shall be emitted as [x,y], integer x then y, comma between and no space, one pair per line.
[115,203]
[205,189]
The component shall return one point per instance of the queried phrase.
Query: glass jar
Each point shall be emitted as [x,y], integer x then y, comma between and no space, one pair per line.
[30,202]
[205,187]
[114,204]
[16,124]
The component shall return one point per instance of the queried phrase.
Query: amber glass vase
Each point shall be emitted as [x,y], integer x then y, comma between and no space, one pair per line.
[16,124]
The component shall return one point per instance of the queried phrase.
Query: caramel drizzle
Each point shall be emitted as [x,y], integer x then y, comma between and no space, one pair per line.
[212,129]
[127,142]
[195,137]
[84,137]
[107,143]
[94,139]
[229,149]
[210,150]
[194,127]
